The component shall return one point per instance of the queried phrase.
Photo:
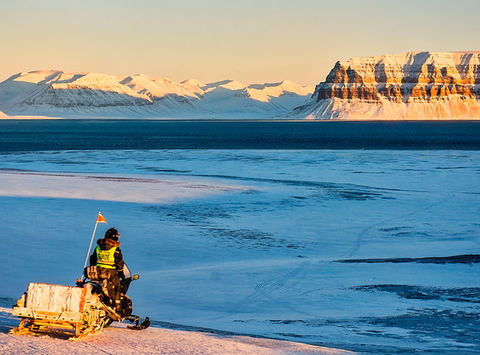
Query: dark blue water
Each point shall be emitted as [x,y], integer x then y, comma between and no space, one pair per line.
[36,135]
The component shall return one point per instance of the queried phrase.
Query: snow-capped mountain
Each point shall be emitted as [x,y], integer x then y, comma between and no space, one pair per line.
[412,85]
[56,93]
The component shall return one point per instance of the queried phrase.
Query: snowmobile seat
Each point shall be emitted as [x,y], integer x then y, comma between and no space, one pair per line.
[96,273]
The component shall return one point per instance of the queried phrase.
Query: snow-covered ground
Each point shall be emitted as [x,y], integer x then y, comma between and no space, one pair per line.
[119,340]
[358,250]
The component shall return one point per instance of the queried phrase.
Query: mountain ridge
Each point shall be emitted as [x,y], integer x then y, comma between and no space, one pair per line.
[59,93]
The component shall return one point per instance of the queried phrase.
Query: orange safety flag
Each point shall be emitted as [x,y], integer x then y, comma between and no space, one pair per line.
[100,218]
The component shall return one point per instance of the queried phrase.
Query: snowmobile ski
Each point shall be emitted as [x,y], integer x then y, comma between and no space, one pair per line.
[145,324]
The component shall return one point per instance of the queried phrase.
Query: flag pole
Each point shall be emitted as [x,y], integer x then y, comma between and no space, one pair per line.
[90,247]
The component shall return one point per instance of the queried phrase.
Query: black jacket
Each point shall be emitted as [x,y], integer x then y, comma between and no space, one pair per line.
[106,244]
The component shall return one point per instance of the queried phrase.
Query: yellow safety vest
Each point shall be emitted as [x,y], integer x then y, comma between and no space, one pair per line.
[106,258]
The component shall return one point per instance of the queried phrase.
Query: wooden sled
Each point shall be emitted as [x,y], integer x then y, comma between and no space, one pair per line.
[71,311]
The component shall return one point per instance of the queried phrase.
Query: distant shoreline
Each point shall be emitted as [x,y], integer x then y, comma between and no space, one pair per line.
[235,119]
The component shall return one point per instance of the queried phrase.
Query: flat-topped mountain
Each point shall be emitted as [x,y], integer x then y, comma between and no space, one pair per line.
[412,85]
[56,93]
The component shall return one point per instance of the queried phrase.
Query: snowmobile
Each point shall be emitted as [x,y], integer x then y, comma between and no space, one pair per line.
[75,310]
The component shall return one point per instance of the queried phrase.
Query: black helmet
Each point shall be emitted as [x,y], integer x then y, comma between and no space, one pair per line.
[112,233]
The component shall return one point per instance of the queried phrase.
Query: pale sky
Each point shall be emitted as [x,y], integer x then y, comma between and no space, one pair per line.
[253,41]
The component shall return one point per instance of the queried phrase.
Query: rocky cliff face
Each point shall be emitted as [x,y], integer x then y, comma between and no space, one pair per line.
[415,85]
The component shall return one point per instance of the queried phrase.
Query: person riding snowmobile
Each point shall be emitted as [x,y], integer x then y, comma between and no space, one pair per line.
[108,257]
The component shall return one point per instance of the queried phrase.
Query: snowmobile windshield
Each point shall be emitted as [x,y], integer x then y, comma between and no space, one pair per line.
[126,272]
